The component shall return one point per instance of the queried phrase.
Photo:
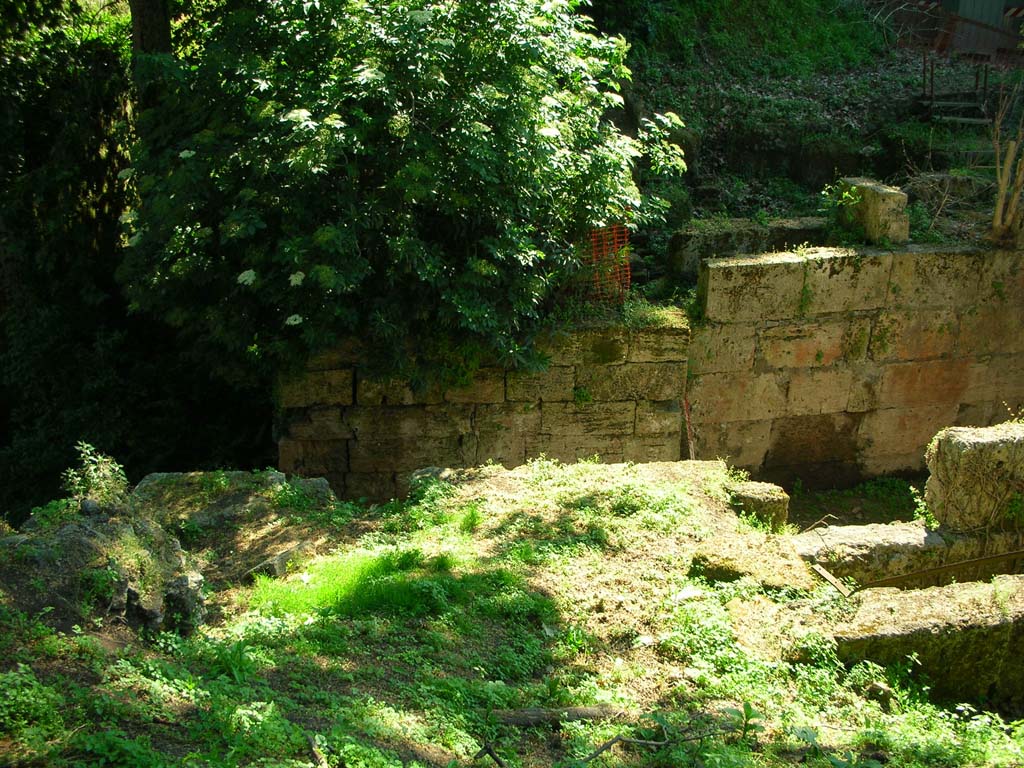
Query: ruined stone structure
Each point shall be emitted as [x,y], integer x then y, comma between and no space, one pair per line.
[608,392]
[830,364]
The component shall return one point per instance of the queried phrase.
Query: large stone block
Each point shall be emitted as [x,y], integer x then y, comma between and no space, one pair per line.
[765,501]
[751,288]
[723,397]
[743,443]
[668,344]
[947,279]
[664,418]
[881,210]
[391,454]
[1002,279]
[370,391]
[993,328]
[841,280]
[631,381]
[372,486]
[553,385]
[317,388]
[317,424]
[879,464]
[916,335]
[592,346]
[967,638]
[410,422]
[312,458]
[865,388]
[898,432]
[349,353]
[588,419]
[610,449]
[977,477]
[818,390]
[643,450]
[915,384]
[503,432]
[721,348]
[488,386]
[810,344]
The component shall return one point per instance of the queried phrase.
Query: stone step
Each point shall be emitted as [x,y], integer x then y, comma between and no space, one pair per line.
[968,639]
[869,553]
[956,120]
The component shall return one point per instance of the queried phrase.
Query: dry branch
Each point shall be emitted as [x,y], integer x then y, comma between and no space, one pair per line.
[526,718]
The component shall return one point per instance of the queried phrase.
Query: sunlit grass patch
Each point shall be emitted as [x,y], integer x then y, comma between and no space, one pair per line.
[358,582]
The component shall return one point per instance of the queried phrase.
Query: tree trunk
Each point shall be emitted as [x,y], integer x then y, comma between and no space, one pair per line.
[151,26]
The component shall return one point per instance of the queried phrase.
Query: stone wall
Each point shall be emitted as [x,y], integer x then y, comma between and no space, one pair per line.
[609,392]
[832,364]
[829,365]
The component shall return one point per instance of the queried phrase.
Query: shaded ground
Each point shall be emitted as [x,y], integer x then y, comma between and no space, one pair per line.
[418,627]
[883,500]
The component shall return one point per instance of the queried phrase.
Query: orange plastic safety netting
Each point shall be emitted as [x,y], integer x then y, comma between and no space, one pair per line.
[609,261]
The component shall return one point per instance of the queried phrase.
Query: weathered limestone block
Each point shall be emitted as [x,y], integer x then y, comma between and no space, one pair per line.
[411,422]
[568,448]
[914,335]
[771,561]
[632,381]
[751,288]
[743,443]
[843,280]
[663,418]
[818,390]
[553,385]
[711,239]
[588,419]
[915,384]
[503,431]
[941,279]
[372,486]
[643,450]
[312,457]
[278,565]
[388,454]
[722,348]
[600,346]
[660,345]
[881,211]
[371,391]
[488,386]
[812,344]
[722,397]
[977,477]
[765,501]
[992,329]
[967,638]
[868,553]
[1002,278]
[317,388]
[317,424]
[904,431]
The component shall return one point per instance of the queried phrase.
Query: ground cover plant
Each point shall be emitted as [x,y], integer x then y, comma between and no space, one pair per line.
[429,632]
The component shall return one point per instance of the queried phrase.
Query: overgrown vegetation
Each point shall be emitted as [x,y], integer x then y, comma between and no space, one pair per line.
[412,640]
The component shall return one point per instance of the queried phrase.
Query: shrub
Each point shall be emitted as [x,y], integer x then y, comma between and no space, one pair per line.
[414,174]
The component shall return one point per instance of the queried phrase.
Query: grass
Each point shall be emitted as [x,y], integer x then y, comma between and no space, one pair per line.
[549,586]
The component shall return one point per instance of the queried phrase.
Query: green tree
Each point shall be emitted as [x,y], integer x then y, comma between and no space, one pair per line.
[412,173]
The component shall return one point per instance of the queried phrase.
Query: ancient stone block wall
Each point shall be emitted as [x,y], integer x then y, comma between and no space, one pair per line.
[610,392]
[835,364]
[828,365]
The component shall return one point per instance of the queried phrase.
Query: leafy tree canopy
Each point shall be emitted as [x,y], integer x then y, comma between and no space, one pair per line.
[411,173]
